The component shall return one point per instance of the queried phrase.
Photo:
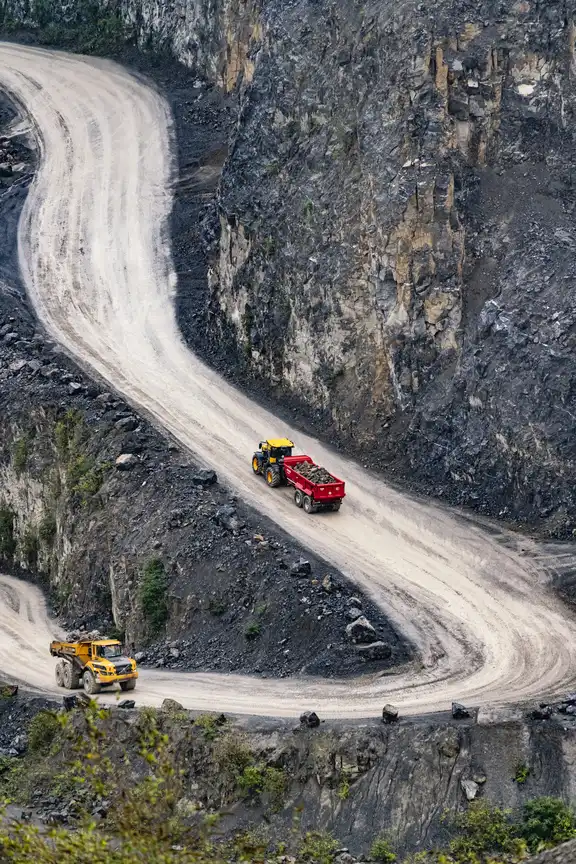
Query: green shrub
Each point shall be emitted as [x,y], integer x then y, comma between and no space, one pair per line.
[153,594]
[232,754]
[29,548]
[344,789]
[318,847]
[68,433]
[21,454]
[217,606]
[42,730]
[547,822]
[47,528]
[7,539]
[381,850]
[210,724]
[253,631]
[482,829]
[521,773]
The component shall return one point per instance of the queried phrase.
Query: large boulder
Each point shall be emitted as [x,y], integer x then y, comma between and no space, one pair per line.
[389,714]
[227,517]
[302,567]
[374,651]
[171,705]
[310,720]
[126,461]
[204,477]
[361,631]
[459,712]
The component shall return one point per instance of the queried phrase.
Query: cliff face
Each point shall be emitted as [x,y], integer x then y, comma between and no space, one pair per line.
[395,239]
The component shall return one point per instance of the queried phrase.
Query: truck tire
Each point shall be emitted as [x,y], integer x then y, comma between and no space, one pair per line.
[298,498]
[91,686]
[256,466]
[59,672]
[128,685]
[71,676]
[336,506]
[273,478]
[308,504]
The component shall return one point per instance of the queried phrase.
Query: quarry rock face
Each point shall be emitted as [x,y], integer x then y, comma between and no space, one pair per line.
[393,243]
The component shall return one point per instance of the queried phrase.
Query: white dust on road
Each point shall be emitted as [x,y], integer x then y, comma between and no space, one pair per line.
[97,266]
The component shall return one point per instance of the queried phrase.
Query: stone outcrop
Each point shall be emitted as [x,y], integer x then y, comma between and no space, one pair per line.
[394,239]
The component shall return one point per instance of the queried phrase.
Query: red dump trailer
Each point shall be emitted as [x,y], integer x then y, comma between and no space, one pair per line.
[314,488]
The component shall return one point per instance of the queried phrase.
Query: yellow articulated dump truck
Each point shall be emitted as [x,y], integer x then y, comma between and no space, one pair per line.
[93,664]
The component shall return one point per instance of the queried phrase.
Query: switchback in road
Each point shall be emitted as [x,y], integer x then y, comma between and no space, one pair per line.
[96,262]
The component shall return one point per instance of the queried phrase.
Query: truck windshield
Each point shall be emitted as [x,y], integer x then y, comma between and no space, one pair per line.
[110,651]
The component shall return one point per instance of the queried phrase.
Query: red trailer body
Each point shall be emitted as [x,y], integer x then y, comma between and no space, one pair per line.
[309,495]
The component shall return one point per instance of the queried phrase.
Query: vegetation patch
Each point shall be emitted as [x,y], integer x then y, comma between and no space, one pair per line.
[92,30]
[253,631]
[7,539]
[154,594]
[21,454]
[43,728]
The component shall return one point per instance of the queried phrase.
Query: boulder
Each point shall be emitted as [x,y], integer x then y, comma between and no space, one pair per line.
[389,714]
[361,630]
[204,477]
[74,387]
[69,702]
[140,656]
[354,601]
[227,517]
[459,712]
[19,743]
[544,712]
[470,789]
[353,613]
[310,720]
[171,705]
[127,424]
[126,703]
[126,461]
[301,568]
[374,651]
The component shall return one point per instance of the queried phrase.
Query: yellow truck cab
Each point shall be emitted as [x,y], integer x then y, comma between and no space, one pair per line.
[93,664]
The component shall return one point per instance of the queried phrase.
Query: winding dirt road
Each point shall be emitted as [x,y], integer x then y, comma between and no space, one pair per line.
[96,262]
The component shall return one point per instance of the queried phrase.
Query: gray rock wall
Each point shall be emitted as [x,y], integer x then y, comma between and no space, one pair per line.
[396,237]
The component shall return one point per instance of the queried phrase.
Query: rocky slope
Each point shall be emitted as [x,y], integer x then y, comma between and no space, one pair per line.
[405,780]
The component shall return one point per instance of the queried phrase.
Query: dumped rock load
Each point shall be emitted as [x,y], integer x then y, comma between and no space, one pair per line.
[314,473]
[84,636]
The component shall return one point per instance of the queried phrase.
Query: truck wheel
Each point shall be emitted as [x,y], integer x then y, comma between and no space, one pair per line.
[128,685]
[91,686]
[298,498]
[70,675]
[256,465]
[59,672]
[308,504]
[336,506]
[273,477]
